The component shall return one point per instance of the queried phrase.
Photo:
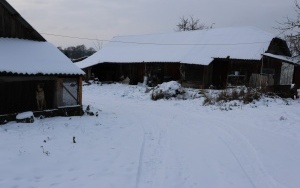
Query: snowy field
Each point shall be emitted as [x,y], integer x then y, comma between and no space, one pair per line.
[139,143]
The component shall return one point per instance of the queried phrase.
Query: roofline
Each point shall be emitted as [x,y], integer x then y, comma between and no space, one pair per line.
[280,57]
[5,73]
[173,62]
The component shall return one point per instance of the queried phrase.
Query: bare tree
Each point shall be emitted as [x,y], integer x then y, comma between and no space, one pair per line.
[188,24]
[98,45]
[293,42]
[291,30]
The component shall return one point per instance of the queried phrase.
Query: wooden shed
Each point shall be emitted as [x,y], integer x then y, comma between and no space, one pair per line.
[218,58]
[34,74]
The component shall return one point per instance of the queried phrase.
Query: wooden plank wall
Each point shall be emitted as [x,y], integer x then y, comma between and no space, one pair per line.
[11,26]
[258,80]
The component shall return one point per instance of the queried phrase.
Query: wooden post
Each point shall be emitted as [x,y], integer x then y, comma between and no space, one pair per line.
[79,91]
[58,92]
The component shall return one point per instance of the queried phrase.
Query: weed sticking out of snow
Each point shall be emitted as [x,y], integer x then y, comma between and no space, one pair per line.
[282,118]
[91,110]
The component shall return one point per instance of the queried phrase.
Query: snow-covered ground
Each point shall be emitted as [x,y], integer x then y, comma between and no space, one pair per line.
[139,143]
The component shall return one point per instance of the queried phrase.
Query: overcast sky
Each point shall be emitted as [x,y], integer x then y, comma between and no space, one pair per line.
[103,19]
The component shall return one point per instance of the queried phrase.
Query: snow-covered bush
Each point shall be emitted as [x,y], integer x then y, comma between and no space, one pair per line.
[173,90]
[167,90]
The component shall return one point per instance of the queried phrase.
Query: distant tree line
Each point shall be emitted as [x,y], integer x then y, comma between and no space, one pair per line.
[77,52]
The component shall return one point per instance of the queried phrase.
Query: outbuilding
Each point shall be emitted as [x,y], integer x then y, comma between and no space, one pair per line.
[219,58]
[34,74]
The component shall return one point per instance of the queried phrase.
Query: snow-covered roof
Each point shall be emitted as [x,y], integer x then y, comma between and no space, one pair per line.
[20,56]
[191,47]
[281,57]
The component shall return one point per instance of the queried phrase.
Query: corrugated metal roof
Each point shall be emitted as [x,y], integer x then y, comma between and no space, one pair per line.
[192,47]
[19,56]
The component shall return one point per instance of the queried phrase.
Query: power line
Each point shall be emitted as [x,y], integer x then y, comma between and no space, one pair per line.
[66,36]
[159,44]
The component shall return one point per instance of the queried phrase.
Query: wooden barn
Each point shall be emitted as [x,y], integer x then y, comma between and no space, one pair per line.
[219,58]
[115,72]
[34,74]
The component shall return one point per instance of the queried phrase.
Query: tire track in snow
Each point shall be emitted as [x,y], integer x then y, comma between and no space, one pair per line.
[246,156]
[242,151]
[139,171]
[153,155]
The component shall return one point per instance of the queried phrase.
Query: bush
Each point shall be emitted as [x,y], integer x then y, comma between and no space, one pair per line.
[167,90]
[245,95]
[208,98]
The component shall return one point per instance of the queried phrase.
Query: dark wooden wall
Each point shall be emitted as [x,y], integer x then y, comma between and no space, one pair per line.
[279,47]
[297,76]
[136,71]
[220,72]
[12,25]
[20,96]
[273,64]
[224,71]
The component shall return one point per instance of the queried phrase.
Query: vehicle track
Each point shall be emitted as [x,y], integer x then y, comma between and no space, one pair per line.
[153,155]
[139,171]
[247,158]
[244,153]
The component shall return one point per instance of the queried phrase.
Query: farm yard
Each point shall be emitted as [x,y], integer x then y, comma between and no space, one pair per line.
[133,141]
[128,135]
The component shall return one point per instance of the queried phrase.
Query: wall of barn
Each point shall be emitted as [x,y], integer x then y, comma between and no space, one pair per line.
[233,72]
[18,93]
[272,66]
[10,26]
[114,72]
[296,78]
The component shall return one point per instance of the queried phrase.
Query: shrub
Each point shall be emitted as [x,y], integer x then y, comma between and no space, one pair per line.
[167,90]
[245,95]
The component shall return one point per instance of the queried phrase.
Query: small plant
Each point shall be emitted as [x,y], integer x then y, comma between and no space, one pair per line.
[88,111]
[157,95]
[282,118]
[45,152]
[235,95]
[208,99]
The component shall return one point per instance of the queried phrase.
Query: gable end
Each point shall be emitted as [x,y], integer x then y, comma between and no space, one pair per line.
[12,25]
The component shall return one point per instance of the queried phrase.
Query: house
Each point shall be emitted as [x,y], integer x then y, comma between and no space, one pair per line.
[220,57]
[34,74]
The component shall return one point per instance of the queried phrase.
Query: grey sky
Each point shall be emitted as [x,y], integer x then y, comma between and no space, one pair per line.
[104,19]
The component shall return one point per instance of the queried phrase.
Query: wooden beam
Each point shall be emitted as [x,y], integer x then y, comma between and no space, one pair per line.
[79,94]
[25,78]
